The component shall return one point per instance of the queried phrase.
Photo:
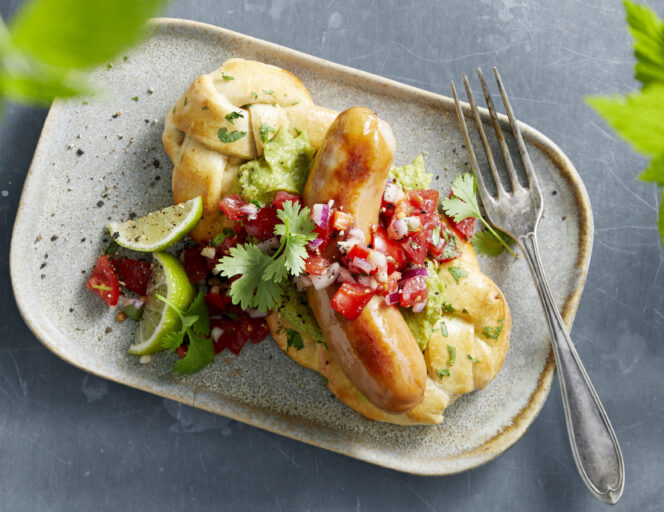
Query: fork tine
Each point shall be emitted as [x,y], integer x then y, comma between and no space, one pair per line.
[525,158]
[479,178]
[487,149]
[499,134]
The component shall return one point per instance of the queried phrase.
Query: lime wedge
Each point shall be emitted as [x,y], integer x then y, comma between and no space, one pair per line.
[169,280]
[158,230]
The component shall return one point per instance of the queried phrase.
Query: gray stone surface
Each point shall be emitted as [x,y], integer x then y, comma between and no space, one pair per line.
[70,441]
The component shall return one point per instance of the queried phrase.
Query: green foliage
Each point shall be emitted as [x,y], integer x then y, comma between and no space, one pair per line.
[48,40]
[638,117]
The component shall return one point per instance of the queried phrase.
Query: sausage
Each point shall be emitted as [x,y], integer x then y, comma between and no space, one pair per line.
[377,351]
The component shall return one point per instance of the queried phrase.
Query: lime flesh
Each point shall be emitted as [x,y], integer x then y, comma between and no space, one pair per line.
[169,280]
[158,230]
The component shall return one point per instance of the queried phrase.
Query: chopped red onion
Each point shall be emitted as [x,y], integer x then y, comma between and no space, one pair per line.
[250,210]
[254,313]
[216,333]
[363,265]
[356,235]
[393,193]
[269,244]
[320,214]
[302,282]
[128,301]
[399,229]
[209,252]
[329,277]
[368,281]
[345,276]
[414,272]
[315,244]
[392,298]
[413,223]
[418,307]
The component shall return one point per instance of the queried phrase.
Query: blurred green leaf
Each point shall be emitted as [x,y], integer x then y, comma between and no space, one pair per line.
[648,33]
[80,33]
[654,173]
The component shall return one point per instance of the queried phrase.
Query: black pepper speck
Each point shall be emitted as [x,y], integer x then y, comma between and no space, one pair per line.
[79,151]
[100,204]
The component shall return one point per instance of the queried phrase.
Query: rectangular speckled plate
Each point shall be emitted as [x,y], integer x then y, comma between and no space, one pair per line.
[102,159]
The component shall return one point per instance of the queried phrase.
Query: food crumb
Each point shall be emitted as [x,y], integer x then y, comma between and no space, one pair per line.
[54,238]
[145,359]
[108,330]
[150,90]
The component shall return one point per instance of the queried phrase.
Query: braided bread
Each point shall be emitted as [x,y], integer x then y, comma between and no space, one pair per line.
[239,97]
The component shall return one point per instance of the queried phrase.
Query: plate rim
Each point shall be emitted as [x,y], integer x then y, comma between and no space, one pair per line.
[463,461]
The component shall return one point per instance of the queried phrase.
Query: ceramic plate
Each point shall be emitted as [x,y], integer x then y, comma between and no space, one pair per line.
[102,159]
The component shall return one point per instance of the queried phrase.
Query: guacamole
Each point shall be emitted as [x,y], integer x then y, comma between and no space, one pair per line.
[295,310]
[284,166]
[412,176]
[422,324]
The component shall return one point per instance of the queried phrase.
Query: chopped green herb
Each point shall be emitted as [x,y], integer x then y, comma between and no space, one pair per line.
[254,95]
[227,78]
[362,397]
[457,273]
[443,328]
[185,100]
[135,98]
[464,311]
[443,372]
[257,203]
[472,359]
[448,308]
[452,352]
[293,339]
[233,115]
[265,130]
[112,248]
[225,136]
[173,111]
[85,103]
[133,312]
[205,107]
[268,91]
[295,103]
[219,239]
[492,332]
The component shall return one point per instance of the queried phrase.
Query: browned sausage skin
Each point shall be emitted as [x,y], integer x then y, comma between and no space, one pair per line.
[376,351]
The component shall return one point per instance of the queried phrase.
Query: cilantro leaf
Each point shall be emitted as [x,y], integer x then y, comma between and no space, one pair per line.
[232,116]
[484,242]
[655,171]
[228,137]
[294,339]
[636,117]
[463,203]
[200,353]
[251,289]
[265,131]
[452,353]
[457,273]
[172,340]
[492,332]
[443,372]
[648,33]
[297,229]
[472,359]
[195,325]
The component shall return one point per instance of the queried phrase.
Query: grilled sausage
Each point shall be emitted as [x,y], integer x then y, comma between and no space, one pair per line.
[376,351]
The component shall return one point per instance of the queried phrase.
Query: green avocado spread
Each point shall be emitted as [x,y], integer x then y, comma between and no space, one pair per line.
[422,324]
[412,176]
[295,310]
[284,166]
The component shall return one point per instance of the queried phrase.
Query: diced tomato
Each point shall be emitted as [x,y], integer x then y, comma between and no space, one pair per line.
[396,257]
[232,206]
[262,227]
[217,302]
[350,299]
[414,290]
[316,265]
[195,264]
[341,220]
[386,213]
[281,197]
[259,330]
[466,227]
[358,260]
[429,211]
[135,274]
[417,246]
[238,336]
[392,284]
[104,282]
[446,249]
[181,351]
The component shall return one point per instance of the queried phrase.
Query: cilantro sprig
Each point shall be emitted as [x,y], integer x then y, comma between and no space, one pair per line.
[195,325]
[462,205]
[261,275]
[637,117]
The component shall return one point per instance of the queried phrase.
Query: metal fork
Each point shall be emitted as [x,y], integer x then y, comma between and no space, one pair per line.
[517,212]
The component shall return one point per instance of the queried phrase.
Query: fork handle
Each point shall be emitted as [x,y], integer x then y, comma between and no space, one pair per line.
[593,441]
